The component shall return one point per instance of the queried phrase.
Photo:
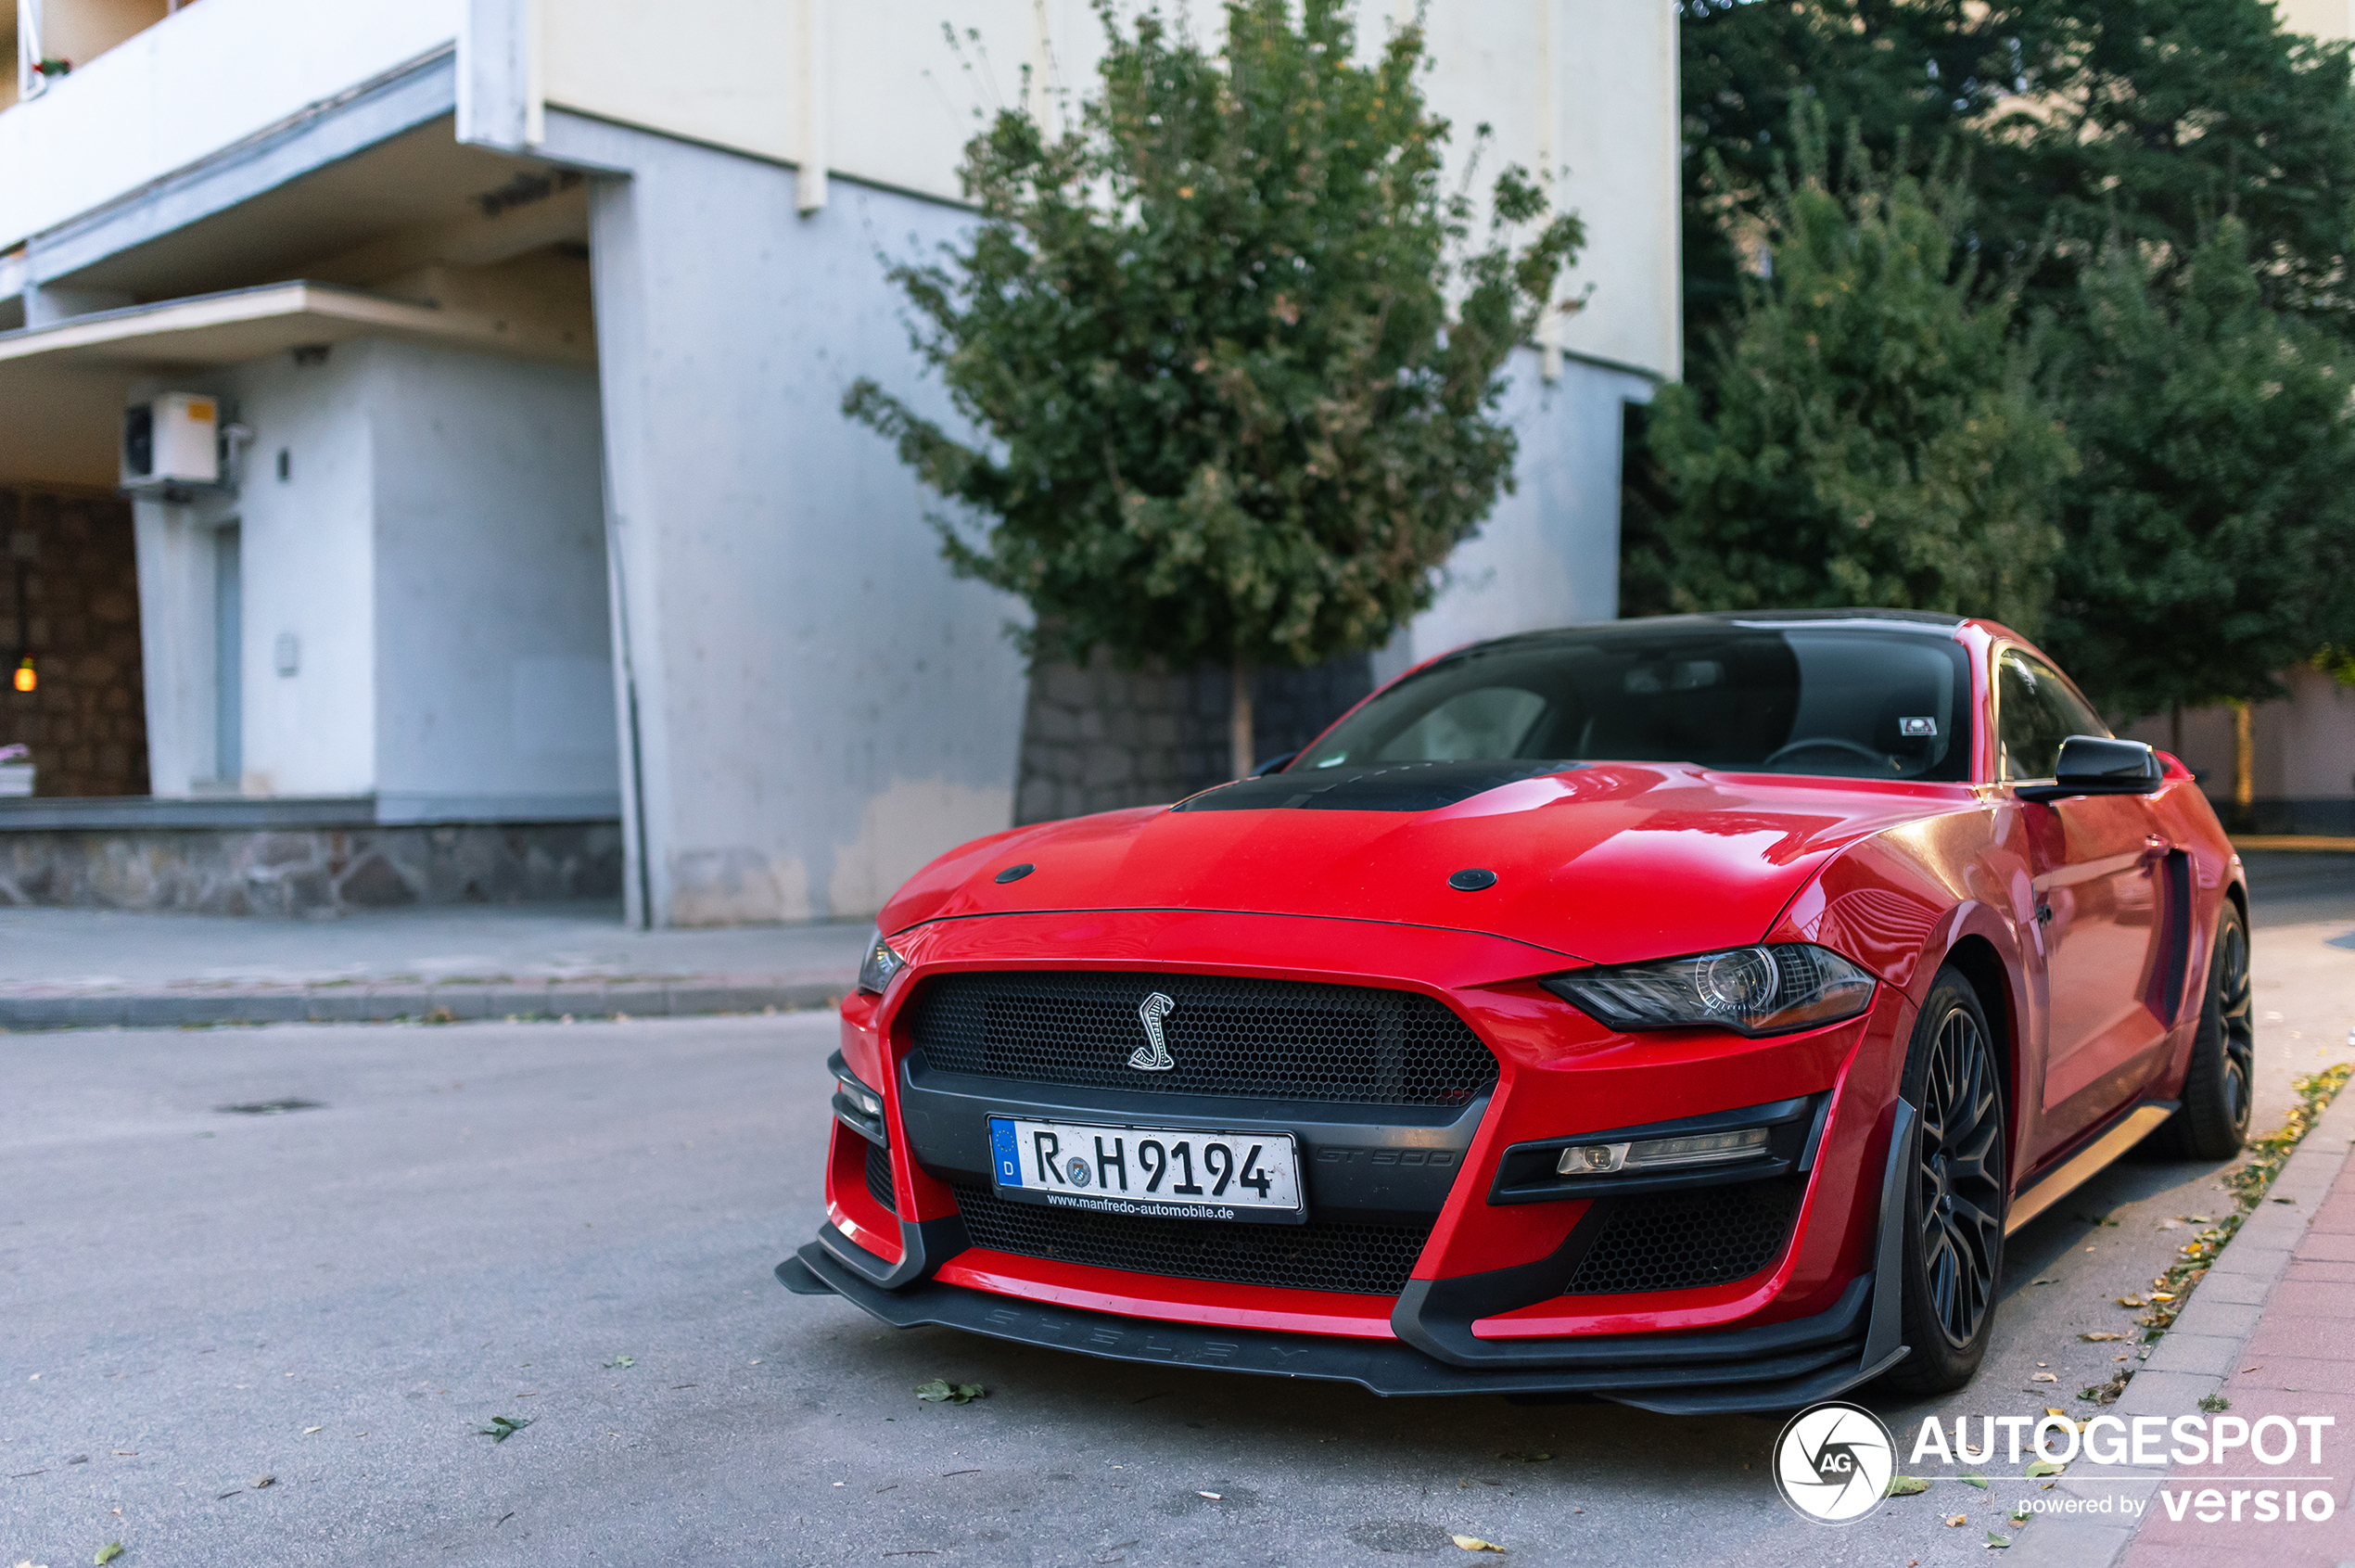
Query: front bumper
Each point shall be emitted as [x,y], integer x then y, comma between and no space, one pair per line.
[1808,1325]
[1777,1367]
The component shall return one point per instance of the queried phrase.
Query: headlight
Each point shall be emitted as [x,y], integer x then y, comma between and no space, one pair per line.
[1750,991]
[880,964]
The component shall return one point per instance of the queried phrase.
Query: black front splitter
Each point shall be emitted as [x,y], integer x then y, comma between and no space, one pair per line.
[1756,1384]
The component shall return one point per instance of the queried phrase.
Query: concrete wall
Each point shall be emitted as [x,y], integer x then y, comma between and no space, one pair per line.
[435,552]
[2305,754]
[820,706]
[1548,554]
[874,91]
[196,82]
[493,691]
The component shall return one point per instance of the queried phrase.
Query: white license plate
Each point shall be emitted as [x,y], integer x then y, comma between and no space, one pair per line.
[1149,1173]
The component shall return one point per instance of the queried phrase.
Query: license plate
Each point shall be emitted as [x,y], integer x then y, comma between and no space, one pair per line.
[1148,1173]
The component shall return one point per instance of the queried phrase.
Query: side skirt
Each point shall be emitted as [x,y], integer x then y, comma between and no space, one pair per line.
[2081,1166]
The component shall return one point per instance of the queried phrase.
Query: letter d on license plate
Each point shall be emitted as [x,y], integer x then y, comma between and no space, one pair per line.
[1148,1173]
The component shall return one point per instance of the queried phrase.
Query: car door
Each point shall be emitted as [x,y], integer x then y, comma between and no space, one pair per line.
[2097,864]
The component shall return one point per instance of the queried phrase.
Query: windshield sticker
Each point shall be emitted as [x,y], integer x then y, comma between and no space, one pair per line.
[1917,726]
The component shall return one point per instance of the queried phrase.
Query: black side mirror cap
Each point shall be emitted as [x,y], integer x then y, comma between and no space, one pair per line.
[2098,765]
[1274,765]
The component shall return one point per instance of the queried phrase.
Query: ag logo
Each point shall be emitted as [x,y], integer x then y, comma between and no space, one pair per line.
[1833,1462]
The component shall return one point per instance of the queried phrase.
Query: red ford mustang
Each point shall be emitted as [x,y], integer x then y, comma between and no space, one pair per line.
[1679,1011]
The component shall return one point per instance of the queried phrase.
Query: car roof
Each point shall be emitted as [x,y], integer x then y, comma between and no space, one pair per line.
[1927,622]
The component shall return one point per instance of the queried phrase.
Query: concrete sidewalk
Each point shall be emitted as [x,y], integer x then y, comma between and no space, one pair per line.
[2270,1330]
[69,968]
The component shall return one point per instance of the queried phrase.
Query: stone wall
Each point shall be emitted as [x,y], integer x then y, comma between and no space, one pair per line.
[86,721]
[309,873]
[1099,738]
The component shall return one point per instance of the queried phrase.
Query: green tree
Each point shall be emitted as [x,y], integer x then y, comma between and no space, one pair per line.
[2212,543]
[1874,435]
[1232,346]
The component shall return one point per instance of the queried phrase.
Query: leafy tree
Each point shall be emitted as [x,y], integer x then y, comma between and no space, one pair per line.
[2212,541]
[1874,435]
[1232,345]
[2150,118]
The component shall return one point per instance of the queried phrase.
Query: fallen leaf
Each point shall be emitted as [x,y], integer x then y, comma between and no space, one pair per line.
[1904,1487]
[309,1430]
[1211,1496]
[2199,1219]
[108,1553]
[1953,1520]
[1973,1478]
[2042,1377]
[2039,1469]
[1996,1542]
[2131,1301]
[2020,1516]
[500,1428]
[940,1391]
[262,1481]
[2162,1295]
[2102,1338]
[621,1363]
[2046,1281]
[1473,1543]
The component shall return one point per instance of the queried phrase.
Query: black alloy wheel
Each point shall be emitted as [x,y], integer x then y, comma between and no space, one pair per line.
[2220,1085]
[1959,1170]
[1955,1200]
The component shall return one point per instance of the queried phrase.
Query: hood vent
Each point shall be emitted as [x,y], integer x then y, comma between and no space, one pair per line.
[1388,787]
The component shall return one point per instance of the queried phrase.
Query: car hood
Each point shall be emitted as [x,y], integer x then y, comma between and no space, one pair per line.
[1605,862]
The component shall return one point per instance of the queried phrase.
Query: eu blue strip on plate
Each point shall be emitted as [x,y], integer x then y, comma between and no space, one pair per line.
[1002,1150]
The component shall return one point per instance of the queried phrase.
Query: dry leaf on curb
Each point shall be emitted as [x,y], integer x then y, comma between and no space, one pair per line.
[262,1481]
[941,1391]
[1996,1542]
[2102,1338]
[2042,1468]
[1973,1478]
[309,1430]
[2042,1377]
[1953,1519]
[1473,1543]
[1213,1496]
[1904,1487]
[500,1428]
[2131,1301]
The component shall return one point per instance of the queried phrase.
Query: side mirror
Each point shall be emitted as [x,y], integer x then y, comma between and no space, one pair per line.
[2098,765]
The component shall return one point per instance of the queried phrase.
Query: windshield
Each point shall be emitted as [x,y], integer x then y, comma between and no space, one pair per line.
[1822,698]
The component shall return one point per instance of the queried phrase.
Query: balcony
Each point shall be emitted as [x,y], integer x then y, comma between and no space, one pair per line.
[151,86]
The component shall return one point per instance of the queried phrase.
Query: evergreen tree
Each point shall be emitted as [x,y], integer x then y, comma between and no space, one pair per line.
[1231,345]
[2212,543]
[1874,435]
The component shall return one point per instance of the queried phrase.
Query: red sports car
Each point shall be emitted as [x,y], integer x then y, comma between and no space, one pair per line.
[1680,1011]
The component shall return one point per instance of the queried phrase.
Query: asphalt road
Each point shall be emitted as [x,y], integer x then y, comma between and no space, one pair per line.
[480,1221]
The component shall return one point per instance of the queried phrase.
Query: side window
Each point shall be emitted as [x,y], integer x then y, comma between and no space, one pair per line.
[2036,712]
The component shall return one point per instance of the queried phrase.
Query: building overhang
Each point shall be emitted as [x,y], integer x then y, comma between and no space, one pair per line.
[62,387]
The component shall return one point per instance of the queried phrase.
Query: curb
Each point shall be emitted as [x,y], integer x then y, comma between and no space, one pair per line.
[2200,1350]
[360,1004]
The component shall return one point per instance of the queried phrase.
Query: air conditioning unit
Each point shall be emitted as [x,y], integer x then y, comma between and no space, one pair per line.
[172,439]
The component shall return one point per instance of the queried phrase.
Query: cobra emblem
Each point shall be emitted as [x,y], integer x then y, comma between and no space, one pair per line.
[1155,1057]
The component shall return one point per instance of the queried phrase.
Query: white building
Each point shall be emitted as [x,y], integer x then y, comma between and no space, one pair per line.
[531,319]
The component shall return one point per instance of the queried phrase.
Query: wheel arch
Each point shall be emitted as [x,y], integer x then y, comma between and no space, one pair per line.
[1974,958]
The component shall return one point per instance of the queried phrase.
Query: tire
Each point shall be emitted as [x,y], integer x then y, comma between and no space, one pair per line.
[1953,1256]
[2212,1122]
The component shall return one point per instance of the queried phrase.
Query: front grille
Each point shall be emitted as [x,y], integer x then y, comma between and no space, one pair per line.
[1273,1039]
[1676,1240]
[1363,1259]
[879,1177]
